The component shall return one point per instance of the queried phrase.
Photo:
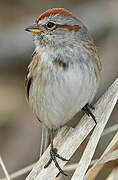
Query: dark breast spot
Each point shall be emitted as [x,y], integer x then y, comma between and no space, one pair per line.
[60,64]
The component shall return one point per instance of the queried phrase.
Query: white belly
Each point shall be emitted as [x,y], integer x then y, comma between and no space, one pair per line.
[58,96]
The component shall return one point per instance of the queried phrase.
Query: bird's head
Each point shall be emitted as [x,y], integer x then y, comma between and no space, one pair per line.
[57,26]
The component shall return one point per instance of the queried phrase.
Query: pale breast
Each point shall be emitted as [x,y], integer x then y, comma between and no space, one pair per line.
[58,91]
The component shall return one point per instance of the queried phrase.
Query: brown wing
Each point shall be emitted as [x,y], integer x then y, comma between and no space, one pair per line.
[28,82]
[33,62]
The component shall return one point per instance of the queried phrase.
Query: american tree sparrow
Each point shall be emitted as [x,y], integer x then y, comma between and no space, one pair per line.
[63,73]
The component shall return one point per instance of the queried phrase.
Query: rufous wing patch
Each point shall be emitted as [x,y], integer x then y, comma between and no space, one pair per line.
[90,46]
[34,60]
[94,57]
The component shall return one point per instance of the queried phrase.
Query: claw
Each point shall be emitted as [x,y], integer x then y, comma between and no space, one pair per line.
[87,110]
[53,155]
[91,106]
[58,156]
[48,163]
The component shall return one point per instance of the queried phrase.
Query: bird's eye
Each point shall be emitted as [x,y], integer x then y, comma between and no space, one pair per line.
[51,25]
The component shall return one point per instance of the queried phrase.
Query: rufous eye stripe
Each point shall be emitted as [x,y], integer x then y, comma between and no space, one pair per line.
[69,27]
[53,12]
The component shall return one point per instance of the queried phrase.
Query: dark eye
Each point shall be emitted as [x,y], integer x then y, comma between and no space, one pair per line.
[51,25]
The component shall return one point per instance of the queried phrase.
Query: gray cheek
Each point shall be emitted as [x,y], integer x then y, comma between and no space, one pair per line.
[37,38]
[59,36]
[83,35]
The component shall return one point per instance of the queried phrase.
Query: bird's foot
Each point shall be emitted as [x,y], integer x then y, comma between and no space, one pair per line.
[53,155]
[87,109]
[91,106]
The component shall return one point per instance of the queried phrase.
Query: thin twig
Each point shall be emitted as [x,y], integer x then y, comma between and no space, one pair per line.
[110,130]
[20,172]
[113,156]
[4,168]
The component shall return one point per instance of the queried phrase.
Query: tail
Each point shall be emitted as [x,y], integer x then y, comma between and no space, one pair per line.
[44,140]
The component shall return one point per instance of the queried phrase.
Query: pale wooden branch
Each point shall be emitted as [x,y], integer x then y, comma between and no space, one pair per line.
[68,140]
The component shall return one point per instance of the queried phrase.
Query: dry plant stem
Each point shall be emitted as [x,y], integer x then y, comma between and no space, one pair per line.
[20,172]
[113,175]
[113,156]
[67,141]
[92,173]
[71,167]
[110,130]
[102,113]
[4,168]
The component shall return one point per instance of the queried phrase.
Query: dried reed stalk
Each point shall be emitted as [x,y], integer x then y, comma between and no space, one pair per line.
[68,140]
[4,169]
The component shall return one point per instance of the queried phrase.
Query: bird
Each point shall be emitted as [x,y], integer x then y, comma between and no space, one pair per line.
[63,73]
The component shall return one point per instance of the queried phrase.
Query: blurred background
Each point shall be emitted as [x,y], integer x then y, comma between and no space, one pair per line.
[20,131]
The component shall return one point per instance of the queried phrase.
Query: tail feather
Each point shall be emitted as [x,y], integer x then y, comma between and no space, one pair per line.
[44,140]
